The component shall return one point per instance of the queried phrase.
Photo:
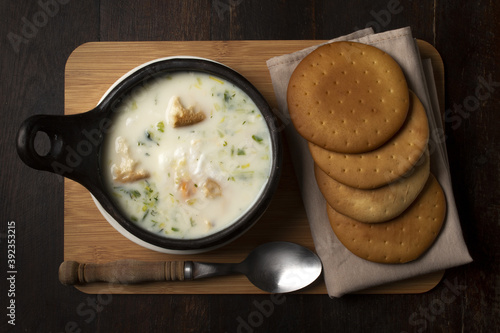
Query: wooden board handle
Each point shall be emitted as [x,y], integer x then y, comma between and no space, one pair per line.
[123,271]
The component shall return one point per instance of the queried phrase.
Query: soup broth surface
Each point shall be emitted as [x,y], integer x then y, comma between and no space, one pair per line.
[187,155]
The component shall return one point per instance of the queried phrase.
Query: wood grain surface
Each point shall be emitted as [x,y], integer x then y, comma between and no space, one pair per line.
[88,237]
[32,82]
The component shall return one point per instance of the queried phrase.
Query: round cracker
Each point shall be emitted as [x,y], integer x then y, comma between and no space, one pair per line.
[378,205]
[385,164]
[348,97]
[400,240]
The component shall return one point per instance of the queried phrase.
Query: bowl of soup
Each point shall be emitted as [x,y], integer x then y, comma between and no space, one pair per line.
[181,155]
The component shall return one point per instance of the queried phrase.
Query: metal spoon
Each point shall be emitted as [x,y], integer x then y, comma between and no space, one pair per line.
[276,267]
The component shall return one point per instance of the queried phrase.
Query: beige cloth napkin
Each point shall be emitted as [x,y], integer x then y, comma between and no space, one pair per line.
[343,271]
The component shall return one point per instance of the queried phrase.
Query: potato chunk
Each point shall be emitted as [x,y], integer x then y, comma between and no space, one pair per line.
[211,189]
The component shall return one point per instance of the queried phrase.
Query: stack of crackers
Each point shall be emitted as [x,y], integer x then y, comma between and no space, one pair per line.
[368,136]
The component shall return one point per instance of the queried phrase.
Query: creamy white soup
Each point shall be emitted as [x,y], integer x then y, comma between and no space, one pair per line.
[187,155]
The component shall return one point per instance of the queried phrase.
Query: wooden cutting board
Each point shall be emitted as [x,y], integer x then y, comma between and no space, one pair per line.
[92,68]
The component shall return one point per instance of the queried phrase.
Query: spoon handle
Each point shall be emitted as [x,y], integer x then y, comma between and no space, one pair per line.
[124,271]
[204,269]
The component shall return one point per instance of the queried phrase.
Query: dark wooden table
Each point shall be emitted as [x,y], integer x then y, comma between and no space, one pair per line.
[38,37]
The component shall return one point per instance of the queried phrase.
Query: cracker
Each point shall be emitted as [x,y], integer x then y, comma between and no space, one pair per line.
[385,164]
[178,115]
[400,240]
[348,97]
[378,205]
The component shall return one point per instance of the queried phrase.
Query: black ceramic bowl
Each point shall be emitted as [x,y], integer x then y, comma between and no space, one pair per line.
[76,143]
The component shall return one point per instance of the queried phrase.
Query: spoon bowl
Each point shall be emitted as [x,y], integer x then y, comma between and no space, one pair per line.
[281,267]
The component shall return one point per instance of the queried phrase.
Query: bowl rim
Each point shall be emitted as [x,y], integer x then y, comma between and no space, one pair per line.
[245,221]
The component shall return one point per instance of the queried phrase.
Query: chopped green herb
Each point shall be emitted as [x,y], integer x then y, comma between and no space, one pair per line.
[257,138]
[160,126]
[241,151]
[134,105]
[244,175]
[132,193]
[216,79]
[175,229]
[150,137]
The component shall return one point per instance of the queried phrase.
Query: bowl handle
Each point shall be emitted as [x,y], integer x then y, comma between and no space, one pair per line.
[74,143]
